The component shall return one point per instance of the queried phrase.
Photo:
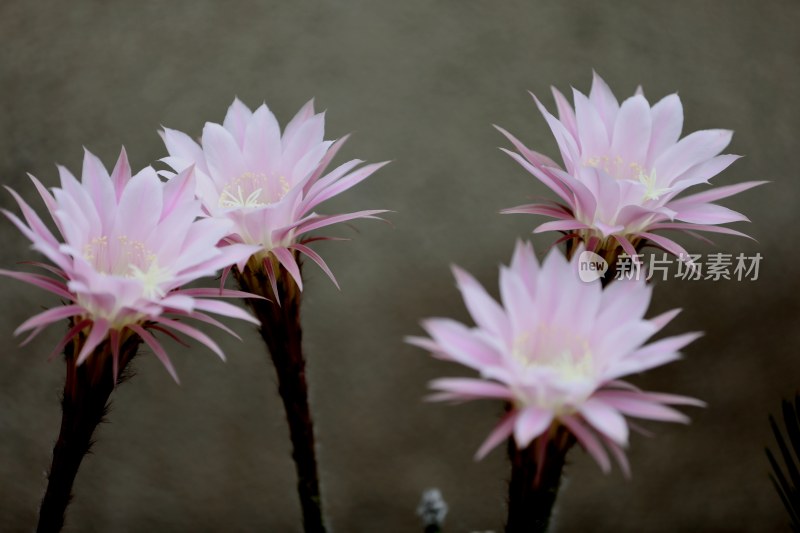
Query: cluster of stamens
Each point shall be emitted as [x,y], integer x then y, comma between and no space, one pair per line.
[616,167]
[130,258]
[556,349]
[252,190]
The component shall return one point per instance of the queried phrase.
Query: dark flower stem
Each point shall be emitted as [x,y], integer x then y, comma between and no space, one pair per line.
[282,333]
[85,403]
[534,485]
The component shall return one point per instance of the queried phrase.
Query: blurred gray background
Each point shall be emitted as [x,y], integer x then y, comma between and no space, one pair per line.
[420,82]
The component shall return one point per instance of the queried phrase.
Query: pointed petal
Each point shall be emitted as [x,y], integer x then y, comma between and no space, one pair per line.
[500,433]
[114,341]
[632,128]
[560,225]
[690,151]
[717,193]
[471,388]
[566,115]
[323,165]
[710,214]
[158,350]
[589,442]
[224,309]
[538,209]
[34,222]
[665,243]
[262,142]
[314,256]
[642,409]
[534,158]
[43,282]
[300,118]
[323,221]
[694,227]
[192,332]
[567,142]
[592,132]
[96,336]
[222,154]
[531,422]
[619,454]
[604,101]
[270,270]
[236,120]
[48,317]
[484,309]
[73,331]
[557,186]
[121,173]
[287,260]
[207,319]
[217,293]
[343,184]
[178,190]
[667,118]
[606,420]
[183,151]
[663,319]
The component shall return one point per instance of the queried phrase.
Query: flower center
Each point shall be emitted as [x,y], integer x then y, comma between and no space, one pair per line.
[253,190]
[616,167]
[116,256]
[619,169]
[127,258]
[151,279]
[556,349]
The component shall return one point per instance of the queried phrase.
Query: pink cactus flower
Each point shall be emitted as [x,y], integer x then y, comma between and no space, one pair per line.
[555,350]
[127,246]
[624,168]
[268,183]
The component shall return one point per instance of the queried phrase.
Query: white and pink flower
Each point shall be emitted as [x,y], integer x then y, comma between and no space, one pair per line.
[127,245]
[625,166]
[556,350]
[267,182]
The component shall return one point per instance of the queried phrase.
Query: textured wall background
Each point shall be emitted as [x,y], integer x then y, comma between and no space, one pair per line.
[420,82]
